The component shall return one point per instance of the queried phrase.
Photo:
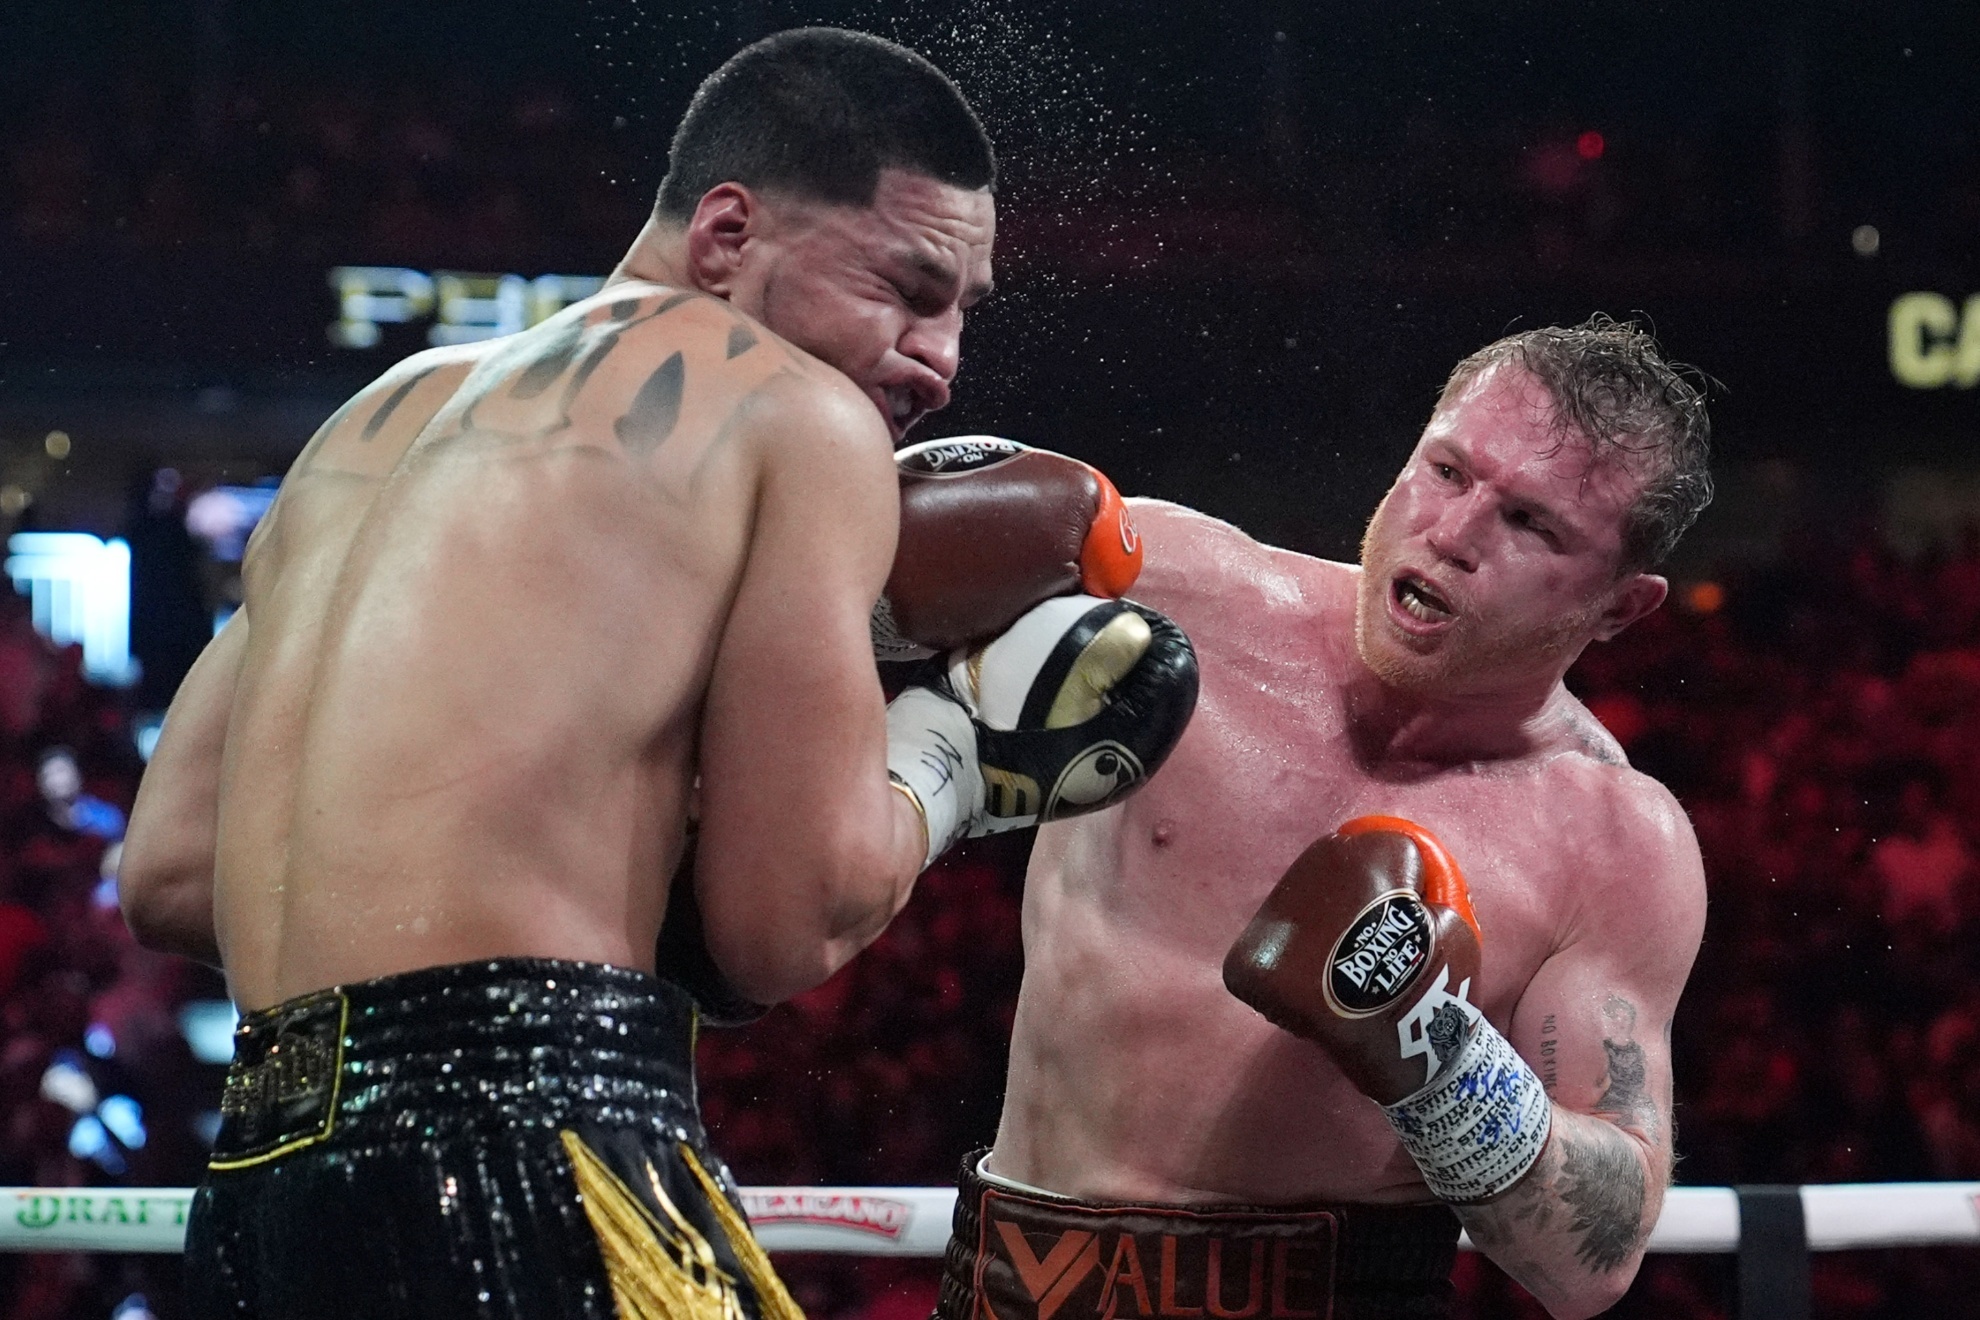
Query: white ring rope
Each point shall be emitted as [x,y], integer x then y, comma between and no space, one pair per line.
[914,1221]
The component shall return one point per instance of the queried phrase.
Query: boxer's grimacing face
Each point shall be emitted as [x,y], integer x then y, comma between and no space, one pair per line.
[1493,559]
[877,291]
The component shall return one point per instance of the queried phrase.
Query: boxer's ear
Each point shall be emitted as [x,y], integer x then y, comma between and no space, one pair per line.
[727,219]
[1639,594]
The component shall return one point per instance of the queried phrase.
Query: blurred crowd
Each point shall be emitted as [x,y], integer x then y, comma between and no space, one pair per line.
[470,173]
[430,170]
[98,1083]
[1819,719]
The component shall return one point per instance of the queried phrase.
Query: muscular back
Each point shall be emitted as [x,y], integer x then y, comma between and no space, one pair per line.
[480,623]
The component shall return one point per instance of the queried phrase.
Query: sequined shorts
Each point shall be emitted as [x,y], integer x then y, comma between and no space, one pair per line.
[510,1139]
[1018,1253]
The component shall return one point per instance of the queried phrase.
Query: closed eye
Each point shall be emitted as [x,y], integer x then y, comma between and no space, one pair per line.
[920,303]
[1525,521]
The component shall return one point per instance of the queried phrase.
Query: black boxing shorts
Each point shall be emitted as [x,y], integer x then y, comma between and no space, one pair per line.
[499,1140]
[1021,1254]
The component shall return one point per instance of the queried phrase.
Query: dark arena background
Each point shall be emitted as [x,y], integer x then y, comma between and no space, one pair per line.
[1239,247]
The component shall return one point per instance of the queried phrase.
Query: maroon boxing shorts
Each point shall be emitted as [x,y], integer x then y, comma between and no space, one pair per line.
[1021,1254]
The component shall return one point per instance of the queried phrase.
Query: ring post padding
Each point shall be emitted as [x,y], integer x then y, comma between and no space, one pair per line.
[1773,1254]
[914,1221]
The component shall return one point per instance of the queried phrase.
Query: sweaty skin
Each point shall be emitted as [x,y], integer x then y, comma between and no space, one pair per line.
[1136,1076]
[484,622]
[519,603]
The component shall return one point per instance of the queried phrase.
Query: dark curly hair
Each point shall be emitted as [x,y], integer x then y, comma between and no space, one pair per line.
[1610,383]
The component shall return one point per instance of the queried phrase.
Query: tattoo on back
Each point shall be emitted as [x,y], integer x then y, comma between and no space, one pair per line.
[1602,1183]
[655,409]
[550,361]
[556,359]
[567,359]
[390,406]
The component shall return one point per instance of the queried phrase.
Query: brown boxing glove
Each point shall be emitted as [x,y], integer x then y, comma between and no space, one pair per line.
[1369,947]
[1361,927]
[990,528]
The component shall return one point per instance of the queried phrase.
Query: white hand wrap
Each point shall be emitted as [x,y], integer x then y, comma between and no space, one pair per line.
[931,752]
[1479,1124]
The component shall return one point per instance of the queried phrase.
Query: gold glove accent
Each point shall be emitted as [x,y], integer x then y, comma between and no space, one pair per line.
[1104,662]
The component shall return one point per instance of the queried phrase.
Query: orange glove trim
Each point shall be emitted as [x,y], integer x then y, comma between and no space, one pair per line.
[1443,882]
[1110,557]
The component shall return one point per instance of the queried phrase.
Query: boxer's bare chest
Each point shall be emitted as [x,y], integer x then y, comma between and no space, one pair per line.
[1134,1072]
[1272,762]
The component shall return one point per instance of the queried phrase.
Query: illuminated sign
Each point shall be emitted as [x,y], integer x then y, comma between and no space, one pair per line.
[462,306]
[79,589]
[1934,342]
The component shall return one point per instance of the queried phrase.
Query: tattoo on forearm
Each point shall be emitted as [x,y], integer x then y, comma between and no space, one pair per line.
[1601,1181]
[1550,1042]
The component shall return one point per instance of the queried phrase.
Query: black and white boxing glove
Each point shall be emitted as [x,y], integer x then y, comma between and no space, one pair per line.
[1068,711]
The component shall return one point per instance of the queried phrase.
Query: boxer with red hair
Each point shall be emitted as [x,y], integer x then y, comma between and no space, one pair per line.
[1453,1008]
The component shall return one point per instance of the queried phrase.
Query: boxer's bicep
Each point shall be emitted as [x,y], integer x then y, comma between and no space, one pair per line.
[796,815]
[1595,1020]
[1594,1023]
[1595,1032]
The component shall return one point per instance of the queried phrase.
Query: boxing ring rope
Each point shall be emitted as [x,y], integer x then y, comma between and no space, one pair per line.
[914,1221]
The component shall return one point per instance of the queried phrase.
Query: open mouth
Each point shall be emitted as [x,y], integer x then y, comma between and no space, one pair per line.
[1419,601]
[901,409]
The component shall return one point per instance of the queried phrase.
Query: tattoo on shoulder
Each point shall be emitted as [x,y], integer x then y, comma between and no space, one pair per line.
[391,405]
[569,357]
[655,409]
[1602,1183]
[1597,744]
[741,340]
[555,359]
